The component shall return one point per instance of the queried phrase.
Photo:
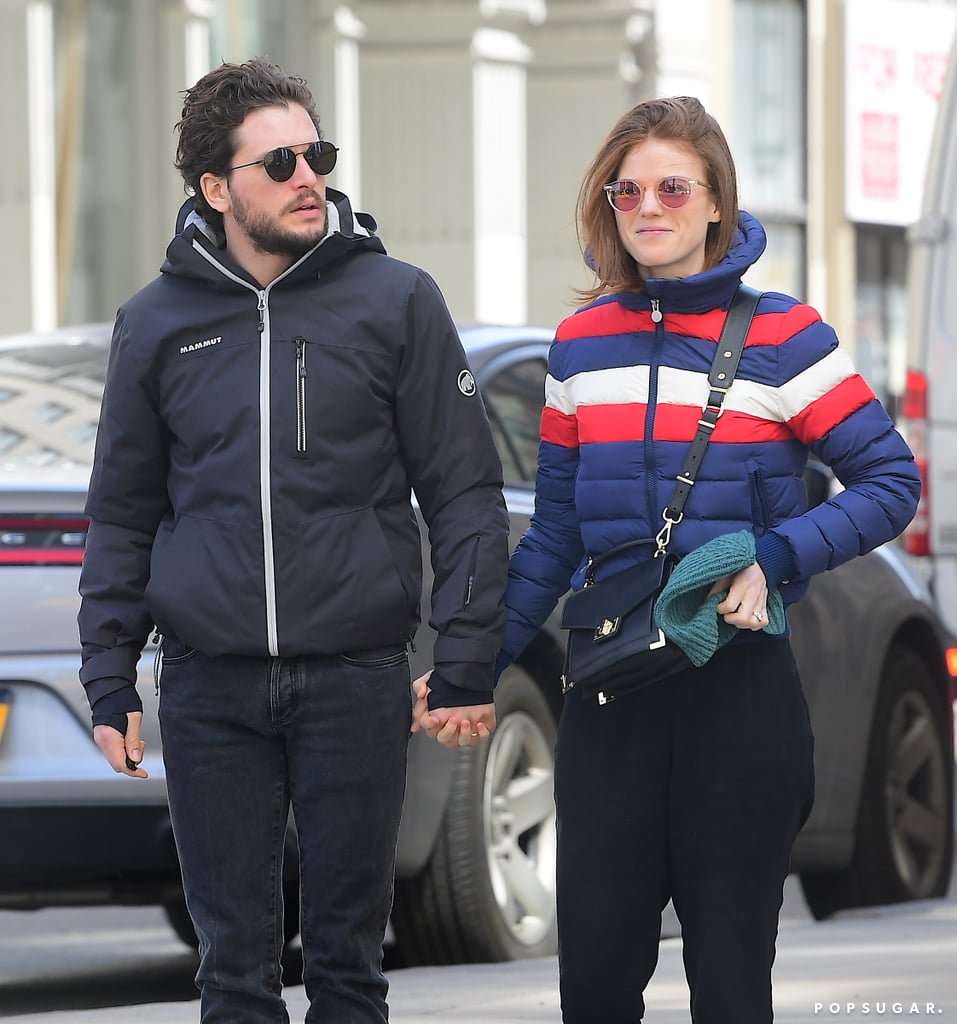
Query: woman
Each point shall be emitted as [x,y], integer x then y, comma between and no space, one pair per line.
[693,788]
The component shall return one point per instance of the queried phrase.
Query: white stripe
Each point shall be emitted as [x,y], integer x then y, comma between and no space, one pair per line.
[817,380]
[617,386]
[629,384]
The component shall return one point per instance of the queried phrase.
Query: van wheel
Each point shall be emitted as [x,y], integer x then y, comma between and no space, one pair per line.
[488,891]
[903,844]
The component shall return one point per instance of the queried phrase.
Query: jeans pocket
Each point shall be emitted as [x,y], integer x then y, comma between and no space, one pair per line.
[379,657]
[175,652]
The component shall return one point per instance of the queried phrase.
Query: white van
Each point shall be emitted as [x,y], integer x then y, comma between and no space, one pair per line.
[929,408]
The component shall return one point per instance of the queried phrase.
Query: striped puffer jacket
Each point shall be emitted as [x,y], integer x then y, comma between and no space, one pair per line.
[627,379]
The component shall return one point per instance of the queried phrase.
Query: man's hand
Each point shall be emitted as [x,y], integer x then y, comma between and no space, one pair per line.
[120,750]
[452,727]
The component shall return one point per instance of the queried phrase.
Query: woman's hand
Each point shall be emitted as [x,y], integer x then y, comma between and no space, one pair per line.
[746,605]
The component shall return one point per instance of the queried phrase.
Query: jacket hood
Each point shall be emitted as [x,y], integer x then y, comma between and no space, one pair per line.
[348,231]
[711,288]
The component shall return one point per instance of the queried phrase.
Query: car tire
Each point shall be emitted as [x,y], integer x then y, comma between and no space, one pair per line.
[903,843]
[487,893]
[182,924]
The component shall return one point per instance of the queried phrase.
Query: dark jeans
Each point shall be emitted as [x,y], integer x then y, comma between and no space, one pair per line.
[242,737]
[692,789]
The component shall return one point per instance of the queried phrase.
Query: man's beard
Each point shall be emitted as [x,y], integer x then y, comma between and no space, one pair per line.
[270,239]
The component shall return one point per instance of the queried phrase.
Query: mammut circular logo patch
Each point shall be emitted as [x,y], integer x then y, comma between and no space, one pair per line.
[467,383]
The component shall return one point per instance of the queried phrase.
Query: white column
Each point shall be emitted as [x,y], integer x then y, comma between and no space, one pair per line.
[348,31]
[28,184]
[589,66]
[42,165]
[196,56]
[499,161]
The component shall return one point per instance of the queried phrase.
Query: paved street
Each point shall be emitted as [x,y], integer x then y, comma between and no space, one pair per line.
[886,963]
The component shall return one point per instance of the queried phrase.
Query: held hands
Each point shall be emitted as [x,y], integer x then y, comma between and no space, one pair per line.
[746,605]
[122,751]
[452,727]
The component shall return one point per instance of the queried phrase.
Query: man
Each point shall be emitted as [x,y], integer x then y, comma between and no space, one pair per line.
[272,398]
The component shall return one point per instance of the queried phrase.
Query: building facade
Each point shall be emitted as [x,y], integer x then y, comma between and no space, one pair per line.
[465,126]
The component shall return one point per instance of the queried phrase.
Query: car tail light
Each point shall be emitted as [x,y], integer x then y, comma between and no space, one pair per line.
[40,539]
[951,655]
[916,536]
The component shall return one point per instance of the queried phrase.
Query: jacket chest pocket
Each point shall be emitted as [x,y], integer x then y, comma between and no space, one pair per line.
[321,389]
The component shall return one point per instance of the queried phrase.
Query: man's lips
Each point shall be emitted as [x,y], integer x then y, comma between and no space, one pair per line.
[306,205]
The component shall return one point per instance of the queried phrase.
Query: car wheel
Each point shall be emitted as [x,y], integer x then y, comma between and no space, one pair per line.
[903,843]
[182,924]
[488,891]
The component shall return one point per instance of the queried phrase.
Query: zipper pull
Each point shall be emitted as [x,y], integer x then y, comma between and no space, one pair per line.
[157,638]
[262,310]
[655,311]
[301,356]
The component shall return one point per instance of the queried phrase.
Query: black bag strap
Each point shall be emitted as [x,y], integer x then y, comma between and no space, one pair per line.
[724,366]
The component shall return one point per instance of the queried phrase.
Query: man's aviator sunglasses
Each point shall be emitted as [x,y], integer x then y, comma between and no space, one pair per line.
[673,192]
[280,164]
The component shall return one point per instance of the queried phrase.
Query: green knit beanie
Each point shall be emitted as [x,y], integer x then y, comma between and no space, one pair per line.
[685,613]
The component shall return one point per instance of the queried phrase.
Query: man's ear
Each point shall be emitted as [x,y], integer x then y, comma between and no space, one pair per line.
[215,191]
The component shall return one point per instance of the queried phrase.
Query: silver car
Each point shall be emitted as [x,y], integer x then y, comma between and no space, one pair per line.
[476,857]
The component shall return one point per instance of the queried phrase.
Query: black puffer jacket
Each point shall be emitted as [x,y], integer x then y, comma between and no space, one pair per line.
[257,449]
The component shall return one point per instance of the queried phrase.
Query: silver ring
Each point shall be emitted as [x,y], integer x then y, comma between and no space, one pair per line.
[474,735]
[759,616]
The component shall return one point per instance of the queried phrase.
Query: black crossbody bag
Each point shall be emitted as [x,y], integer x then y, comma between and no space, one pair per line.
[614,645]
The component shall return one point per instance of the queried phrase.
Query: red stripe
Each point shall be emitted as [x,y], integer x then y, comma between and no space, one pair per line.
[608,318]
[597,423]
[832,408]
[42,556]
[64,523]
[780,328]
[559,428]
[604,423]
[706,326]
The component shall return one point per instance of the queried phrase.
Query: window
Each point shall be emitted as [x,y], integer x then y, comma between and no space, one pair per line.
[880,327]
[514,393]
[768,132]
[98,195]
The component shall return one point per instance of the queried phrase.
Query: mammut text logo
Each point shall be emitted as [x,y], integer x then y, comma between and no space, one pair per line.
[208,343]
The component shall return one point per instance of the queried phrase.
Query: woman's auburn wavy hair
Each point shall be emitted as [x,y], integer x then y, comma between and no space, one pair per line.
[679,119]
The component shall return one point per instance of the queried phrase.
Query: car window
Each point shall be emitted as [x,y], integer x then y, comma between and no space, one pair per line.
[514,395]
[50,402]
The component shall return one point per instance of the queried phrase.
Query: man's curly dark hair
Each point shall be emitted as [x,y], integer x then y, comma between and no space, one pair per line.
[216,106]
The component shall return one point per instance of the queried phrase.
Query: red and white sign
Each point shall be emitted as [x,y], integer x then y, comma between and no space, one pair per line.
[896,58]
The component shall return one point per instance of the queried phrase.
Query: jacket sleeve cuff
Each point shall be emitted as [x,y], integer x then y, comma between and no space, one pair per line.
[112,708]
[443,694]
[105,686]
[773,553]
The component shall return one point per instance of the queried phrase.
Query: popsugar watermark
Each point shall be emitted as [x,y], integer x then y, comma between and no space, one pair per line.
[878,1008]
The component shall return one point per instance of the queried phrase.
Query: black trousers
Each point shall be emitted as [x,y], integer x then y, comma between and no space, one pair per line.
[692,789]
